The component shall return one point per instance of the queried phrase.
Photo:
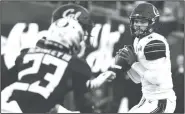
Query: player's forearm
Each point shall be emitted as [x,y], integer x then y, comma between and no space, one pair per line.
[95,83]
[139,69]
[151,76]
[134,76]
[101,79]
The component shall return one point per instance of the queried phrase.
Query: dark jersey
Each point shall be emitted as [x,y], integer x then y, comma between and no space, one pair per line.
[7,75]
[45,76]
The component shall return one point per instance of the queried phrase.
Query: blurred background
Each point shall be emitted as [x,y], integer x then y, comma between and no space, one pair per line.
[111,32]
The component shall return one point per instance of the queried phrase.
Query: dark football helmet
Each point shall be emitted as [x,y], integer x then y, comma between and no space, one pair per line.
[77,12]
[144,11]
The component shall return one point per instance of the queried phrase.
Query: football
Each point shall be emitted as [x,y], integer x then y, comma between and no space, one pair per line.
[120,61]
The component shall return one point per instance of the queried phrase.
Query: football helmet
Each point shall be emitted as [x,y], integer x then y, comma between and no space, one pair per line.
[67,32]
[76,12]
[144,11]
[70,23]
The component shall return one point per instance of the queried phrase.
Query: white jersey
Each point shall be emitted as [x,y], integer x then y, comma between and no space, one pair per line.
[154,74]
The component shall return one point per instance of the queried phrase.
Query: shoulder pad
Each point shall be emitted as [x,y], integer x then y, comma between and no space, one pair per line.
[155,49]
[156,36]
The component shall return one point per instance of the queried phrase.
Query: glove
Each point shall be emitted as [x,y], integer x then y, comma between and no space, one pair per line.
[121,60]
[128,55]
[101,79]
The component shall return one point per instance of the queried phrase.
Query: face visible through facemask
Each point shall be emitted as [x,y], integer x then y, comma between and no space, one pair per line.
[140,25]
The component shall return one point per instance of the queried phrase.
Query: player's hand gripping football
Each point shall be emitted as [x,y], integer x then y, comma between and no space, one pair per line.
[128,55]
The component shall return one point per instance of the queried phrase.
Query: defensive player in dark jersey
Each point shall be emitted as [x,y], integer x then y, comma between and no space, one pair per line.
[46,73]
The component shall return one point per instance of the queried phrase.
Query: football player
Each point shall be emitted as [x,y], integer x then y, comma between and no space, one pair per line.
[149,62]
[46,73]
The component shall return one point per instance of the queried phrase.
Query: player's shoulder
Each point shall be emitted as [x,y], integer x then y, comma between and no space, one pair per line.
[156,37]
[155,48]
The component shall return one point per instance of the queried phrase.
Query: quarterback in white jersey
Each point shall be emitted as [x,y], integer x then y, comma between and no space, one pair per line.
[149,62]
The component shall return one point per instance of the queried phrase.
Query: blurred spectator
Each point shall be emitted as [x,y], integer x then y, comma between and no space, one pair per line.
[170,17]
[172,11]
[83,3]
[158,4]
[129,6]
[178,81]
[176,42]
[100,99]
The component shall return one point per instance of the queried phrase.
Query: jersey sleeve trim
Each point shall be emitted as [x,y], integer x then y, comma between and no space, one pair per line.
[155,49]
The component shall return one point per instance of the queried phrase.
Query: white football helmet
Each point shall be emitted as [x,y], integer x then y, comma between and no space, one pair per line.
[67,32]
[69,26]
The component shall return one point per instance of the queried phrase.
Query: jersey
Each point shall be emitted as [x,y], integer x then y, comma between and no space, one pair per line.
[142,50]
[6,73]
[154,57]
[44,77]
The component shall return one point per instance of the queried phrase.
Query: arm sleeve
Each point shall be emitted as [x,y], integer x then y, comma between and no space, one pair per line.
[155,52]
[155,49]
[81,76]
[82,73]
[154,76]
[134,76]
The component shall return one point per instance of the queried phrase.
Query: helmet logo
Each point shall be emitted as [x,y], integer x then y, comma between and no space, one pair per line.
[155,11]
[71,13]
